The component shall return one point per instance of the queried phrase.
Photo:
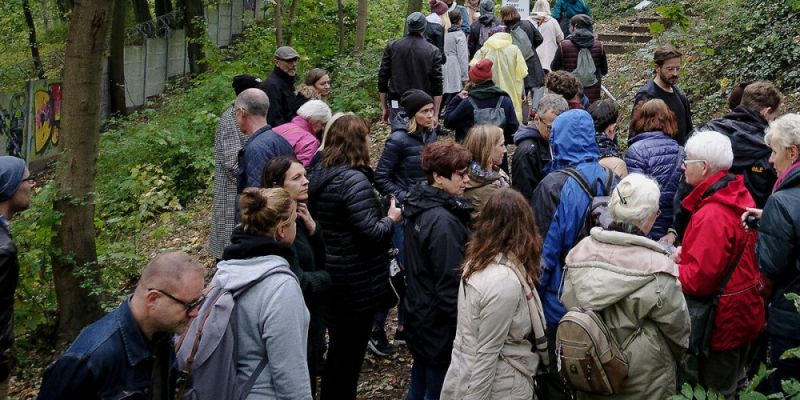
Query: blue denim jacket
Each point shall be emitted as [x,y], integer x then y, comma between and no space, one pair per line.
[110,359]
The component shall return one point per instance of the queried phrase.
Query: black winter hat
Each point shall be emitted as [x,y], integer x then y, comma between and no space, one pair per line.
[244,82]
[413,100]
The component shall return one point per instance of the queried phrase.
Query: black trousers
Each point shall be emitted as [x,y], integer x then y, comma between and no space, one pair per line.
[347,343]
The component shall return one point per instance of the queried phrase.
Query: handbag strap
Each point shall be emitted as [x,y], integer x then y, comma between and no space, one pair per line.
[537,322]
[730,269]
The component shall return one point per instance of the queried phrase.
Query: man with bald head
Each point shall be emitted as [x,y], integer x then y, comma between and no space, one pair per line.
[263,144]
[129,353]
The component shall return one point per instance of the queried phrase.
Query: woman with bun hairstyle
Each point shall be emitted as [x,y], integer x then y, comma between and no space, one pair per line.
[487,146]
[498,306]
[358,236]
[631,282]
[271,316]
[309,246]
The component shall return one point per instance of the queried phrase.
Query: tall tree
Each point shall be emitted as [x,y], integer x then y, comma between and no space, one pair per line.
[195,25]
[64,8]
[117,57]
[361,25]
[37,61]
[141,10]
[45,7]
[414,5]
[278,26]
[290,22]
[75,265]
[340,18]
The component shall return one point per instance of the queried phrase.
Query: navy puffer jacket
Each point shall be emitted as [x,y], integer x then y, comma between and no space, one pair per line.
[400,165]
[659,156]
[357,237]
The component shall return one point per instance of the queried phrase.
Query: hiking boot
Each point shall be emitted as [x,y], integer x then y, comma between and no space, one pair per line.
[400,338]
[379,345]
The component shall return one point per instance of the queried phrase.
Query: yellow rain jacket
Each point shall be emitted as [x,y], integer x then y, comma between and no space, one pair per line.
[509,67]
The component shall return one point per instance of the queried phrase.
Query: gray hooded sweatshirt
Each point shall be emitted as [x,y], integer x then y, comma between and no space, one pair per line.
[272,320]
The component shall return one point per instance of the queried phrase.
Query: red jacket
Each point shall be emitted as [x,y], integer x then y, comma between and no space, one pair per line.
[713,240]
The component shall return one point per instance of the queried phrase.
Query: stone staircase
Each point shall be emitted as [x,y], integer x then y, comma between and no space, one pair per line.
[628,35]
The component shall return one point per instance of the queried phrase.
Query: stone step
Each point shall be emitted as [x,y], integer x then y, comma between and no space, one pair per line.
[648,20]
[634,28]
[624,38]
[616,48]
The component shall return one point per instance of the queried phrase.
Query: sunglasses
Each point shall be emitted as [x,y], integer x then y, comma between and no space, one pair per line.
[189,306]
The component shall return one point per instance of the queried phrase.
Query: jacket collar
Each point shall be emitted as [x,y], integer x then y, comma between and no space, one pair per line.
[133,340]
[284,76]
[259,131]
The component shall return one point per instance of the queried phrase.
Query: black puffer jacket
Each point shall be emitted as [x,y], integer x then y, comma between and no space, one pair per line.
[357,237]
[530,158]
[9,277]
[400,165]
[778,253]
[746,128]
[435,235]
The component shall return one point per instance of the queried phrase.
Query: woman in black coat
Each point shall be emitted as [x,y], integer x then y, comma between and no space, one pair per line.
[435,235]
[357,239]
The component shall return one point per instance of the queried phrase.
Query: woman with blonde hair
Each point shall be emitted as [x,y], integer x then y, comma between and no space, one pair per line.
[486,144]
[256,265]
[498,306]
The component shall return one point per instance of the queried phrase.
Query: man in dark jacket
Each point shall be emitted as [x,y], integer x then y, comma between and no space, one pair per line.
[668,65]
[409,63]
[479,31]
[566,57]
[745,126]
[533,146]
[16,185]
[129,352]
[263,144]
[435,235]
[279,86]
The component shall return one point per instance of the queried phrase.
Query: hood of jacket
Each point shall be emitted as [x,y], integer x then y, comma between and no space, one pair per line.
[249,258]
[498,41]
[486,90]
[572,139]
[582,38]
[424,197]
[248,245]
[487,19]
[602,275]
[527,132]
[746,129]
[721,188]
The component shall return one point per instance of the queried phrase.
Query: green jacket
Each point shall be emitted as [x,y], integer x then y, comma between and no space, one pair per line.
[633,284]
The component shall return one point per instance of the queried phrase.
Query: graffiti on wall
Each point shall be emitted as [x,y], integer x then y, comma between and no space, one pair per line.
[46,113]
[12,123]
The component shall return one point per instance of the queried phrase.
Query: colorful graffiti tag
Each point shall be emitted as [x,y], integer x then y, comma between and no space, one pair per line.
[46,112]
[30,121]
[12,123]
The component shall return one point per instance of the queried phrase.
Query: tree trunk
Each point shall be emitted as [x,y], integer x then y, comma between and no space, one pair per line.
[195,25]
[117,57]
[278,28]
[45,6]
[37,61]
[64,7]
[414,5]
[75,267]
[361,25]
[290,22]
[141,10]
[163,7]
[340,10]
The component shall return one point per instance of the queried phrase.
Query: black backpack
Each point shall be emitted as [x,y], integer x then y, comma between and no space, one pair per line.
[597,213]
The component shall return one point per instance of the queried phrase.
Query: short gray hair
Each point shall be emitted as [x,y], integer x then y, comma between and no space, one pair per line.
[254,101]
[712,147]
[784,131]
[554,102]
[315,110]
[635,199]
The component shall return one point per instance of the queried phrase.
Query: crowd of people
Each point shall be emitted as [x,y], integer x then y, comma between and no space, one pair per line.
[677,253]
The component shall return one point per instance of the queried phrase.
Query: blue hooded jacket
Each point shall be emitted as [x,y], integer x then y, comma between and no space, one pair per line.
[560,204]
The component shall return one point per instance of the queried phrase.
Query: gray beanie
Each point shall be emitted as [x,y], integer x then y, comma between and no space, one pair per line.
[487,7]
[416,22]
[11,171]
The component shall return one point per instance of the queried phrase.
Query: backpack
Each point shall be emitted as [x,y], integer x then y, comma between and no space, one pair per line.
[590,359]
[206,352]
[522,41]
[493,116]
[597,213]
[585,69]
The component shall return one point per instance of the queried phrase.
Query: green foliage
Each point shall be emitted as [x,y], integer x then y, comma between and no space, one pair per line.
[357,83]
[795,298]
[657,28]
[674,13]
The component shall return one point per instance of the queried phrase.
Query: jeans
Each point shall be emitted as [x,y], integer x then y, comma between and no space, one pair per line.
[426,381]
[398,281]
[348,335]
[786,369]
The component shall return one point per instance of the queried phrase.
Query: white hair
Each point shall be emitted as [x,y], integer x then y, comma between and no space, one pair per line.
[784,131]
[554,102]
[635,199]
[712,147]
[315,110]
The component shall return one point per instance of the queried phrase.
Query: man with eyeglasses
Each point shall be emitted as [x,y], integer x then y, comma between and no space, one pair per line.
[129,353]
[16,185]
[667,61]
[279,86]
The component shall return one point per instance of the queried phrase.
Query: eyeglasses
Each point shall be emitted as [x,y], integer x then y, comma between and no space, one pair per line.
[546,125]
[461,174]
[686,162]
[189,306]
[29,179]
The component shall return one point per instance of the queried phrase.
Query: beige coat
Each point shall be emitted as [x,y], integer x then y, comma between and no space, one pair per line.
[480,188]
[633,284]
[491,338]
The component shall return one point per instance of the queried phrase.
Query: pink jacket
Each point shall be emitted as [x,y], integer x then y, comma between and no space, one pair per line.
[303,141]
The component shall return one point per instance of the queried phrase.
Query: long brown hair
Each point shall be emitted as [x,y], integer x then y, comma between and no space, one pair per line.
[653,115]
[347,142]
[505,225]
